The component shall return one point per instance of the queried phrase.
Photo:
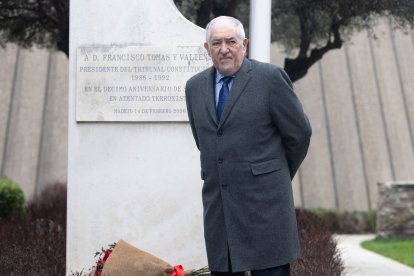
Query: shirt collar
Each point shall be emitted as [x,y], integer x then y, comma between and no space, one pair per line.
[219,76]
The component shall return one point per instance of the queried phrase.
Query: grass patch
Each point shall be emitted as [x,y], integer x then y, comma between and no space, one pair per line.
[397,249]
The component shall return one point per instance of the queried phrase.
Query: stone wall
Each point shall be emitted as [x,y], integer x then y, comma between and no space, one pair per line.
[358,99]
[395,214]
[33,117]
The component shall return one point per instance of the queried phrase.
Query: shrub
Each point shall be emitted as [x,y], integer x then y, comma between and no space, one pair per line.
[319,253]
[35,244]
[348,222]
[11,198]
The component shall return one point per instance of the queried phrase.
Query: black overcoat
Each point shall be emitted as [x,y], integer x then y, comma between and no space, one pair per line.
[247,163]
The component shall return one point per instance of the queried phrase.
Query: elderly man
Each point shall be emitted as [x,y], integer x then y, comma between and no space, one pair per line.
[252,135]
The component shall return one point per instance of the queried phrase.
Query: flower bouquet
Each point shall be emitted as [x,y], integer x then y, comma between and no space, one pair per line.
[123,259]
[103,256]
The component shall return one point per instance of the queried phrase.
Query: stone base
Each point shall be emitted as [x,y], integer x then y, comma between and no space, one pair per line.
[395,217]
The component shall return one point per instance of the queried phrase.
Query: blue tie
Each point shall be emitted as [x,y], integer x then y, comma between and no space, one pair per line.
[224,94]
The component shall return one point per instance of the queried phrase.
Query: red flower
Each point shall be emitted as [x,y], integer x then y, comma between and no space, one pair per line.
[178,271]
[99,266]
[101,261]
[107,253]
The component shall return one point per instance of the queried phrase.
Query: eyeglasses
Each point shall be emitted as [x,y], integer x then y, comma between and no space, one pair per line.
[231,43]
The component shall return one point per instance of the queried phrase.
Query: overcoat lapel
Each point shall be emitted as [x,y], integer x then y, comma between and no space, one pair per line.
[240,82]
[209,96]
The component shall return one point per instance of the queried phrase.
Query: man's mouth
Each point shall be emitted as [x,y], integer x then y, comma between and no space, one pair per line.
[225,58]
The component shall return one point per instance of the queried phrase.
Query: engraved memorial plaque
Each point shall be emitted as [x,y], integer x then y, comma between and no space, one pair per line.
[135,83]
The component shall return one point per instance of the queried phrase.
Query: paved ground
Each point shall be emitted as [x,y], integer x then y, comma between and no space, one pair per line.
[361,262]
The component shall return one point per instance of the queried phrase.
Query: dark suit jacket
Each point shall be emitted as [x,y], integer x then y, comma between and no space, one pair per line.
[247,163]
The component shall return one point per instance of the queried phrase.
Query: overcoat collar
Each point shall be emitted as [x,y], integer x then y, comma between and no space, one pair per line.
[240,81]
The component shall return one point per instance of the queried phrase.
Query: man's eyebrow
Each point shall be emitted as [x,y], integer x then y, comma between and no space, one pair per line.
[225,38]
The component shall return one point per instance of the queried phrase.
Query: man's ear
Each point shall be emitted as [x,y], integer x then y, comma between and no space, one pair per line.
[207,48]
[245,42]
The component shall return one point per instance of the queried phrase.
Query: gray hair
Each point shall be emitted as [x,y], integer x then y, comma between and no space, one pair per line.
[237,25]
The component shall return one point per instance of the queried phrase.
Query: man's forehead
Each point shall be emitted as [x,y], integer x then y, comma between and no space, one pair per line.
[221,37]
[223,31]
[223,25]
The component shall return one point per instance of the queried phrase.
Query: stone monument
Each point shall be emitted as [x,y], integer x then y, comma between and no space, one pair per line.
[133,167]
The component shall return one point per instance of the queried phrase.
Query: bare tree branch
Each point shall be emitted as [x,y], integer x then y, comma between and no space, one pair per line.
[298,67]
[305,23]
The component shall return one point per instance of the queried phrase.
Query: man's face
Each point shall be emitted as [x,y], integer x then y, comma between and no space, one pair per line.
[225,48]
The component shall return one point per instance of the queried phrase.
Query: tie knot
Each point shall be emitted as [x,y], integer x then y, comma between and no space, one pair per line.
[226,80]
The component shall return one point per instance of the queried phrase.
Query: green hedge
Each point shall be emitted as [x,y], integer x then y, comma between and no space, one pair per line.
[11,198]
[347,222]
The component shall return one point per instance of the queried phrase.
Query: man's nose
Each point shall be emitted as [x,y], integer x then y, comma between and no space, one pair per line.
[224,48]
